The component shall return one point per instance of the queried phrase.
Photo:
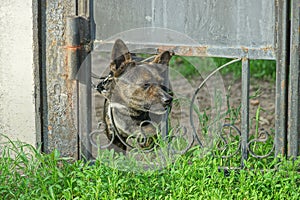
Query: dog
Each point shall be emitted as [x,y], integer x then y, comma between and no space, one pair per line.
[137,96]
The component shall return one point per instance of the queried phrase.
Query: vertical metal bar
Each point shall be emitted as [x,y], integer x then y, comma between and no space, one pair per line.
[294,83]
[85,118]
[84,85]
[92,21]
[281,44]
[165,122]
[245,109]
[43,80]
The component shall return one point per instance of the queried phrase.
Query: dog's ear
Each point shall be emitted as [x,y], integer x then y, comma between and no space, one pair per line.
[163,58]
[120,55]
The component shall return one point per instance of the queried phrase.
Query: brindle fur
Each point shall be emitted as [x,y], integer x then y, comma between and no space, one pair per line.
[136,92]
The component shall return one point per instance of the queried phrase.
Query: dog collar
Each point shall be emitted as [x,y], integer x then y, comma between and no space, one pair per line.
[102,86]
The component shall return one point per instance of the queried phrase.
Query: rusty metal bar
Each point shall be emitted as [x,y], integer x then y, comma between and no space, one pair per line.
[267,52]
[281,43]
[59,100]
[294,83]
[245,109]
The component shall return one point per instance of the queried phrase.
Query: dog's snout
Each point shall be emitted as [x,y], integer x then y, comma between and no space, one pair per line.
[167,99]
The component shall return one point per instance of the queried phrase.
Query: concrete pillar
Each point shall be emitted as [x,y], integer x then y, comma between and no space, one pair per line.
[18,75]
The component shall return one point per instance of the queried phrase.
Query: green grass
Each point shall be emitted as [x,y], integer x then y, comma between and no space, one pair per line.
[32,175]
[260,69]
[190,66]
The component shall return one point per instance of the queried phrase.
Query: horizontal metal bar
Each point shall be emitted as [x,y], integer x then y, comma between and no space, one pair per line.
[265,53]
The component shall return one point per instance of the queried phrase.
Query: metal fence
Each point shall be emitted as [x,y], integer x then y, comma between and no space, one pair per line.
[259,29]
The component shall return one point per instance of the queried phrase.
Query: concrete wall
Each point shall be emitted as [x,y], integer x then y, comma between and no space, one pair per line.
[17,69]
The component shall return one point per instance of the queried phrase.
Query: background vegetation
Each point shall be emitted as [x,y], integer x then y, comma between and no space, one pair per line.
[261,69]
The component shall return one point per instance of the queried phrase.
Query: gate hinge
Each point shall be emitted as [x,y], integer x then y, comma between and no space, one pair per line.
[78,43]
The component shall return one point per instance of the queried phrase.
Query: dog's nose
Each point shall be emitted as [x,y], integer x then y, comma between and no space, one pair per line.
[167,100]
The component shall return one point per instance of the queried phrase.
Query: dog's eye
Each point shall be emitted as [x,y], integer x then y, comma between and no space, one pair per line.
[146,86]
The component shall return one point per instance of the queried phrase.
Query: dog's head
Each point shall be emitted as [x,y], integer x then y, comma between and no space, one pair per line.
[140,86]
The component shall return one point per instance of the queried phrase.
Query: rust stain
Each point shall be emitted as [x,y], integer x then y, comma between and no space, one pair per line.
[282,84]
[73,48]
[165,48]
[70,84]
[267,48]
[65,76]
[66,66]
[244,59]
[185,50]
[53,43]
[245,49]
[201,51]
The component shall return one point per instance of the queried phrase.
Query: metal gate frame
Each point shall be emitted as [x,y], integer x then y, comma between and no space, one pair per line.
[64,43]
[293,126]
[66,32]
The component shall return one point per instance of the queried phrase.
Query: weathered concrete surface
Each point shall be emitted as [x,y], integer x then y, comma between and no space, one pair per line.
[17,102]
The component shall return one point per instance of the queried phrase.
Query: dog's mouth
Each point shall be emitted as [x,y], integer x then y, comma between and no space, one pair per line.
[157,109]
